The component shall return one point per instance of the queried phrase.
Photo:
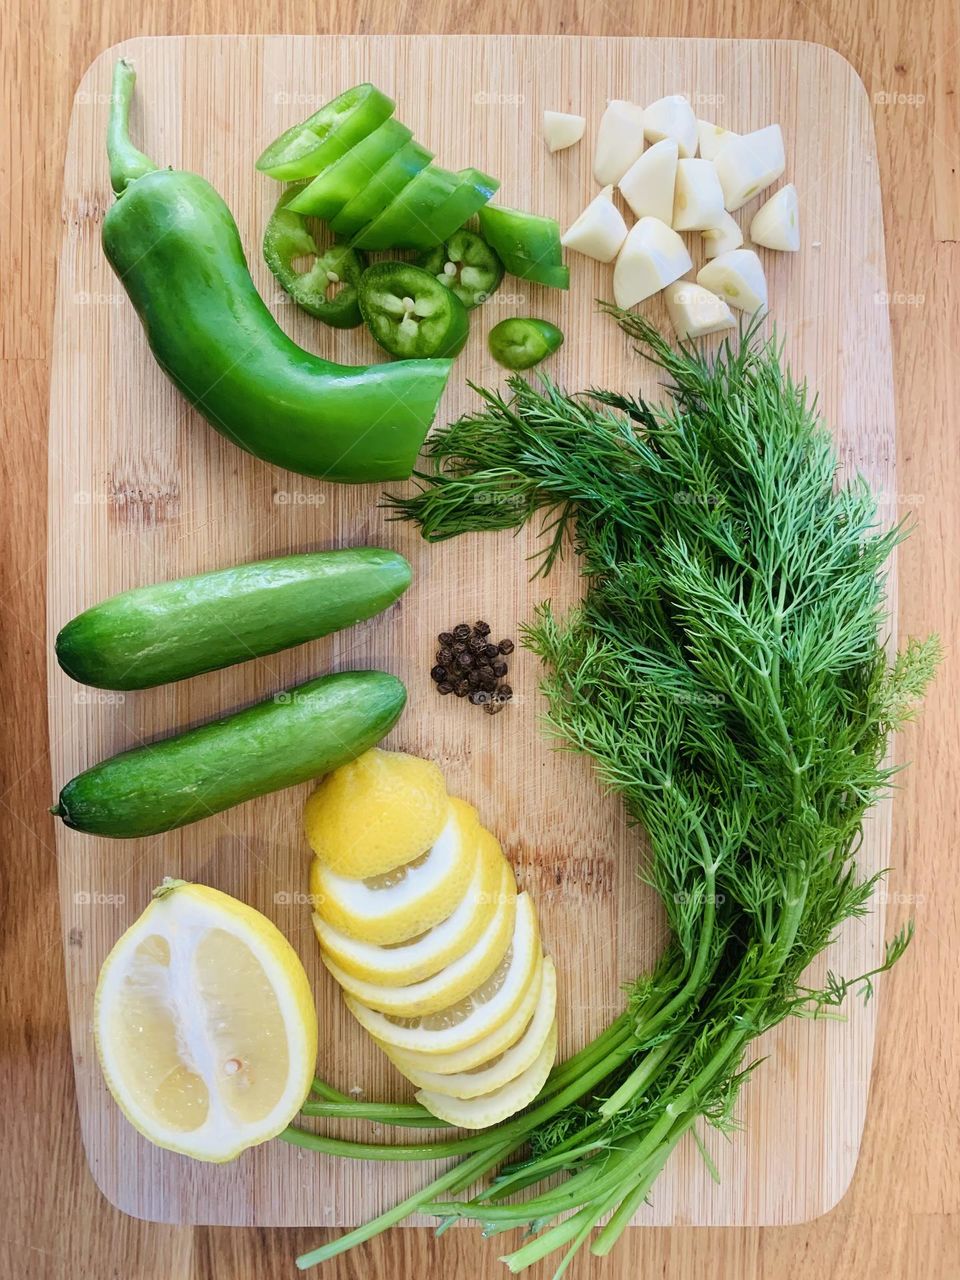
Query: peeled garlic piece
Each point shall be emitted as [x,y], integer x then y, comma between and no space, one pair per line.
[672,117]
[619,141]
[648,185]
[653,256]
[562,130]
[599,231]
[723,237]
[776,225]
[712,137]
[695,311]
[747,164]
[697,196]
[738,278]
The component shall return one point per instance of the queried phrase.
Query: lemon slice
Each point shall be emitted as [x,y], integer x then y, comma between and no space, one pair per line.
[491,1108]
[481,1051]
[205,1024]
[409,900]
[423,956]
[507,1066]
[454,982]
[478,1013]
[376,813]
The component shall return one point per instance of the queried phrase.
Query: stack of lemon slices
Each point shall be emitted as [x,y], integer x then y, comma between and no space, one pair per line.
[420,922]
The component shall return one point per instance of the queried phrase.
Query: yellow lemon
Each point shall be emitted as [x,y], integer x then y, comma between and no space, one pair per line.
[205,1024]
[478,1013]
[376,813]
[491,1108]
[427,954]
[405,902]
[451,984]
[507,1066]
[481,1051]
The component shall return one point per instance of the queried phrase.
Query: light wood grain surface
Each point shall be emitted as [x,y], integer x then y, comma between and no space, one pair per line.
[900,1217]
[140,489]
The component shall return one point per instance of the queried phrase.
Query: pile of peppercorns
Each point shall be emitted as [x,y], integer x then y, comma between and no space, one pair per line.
[470,666]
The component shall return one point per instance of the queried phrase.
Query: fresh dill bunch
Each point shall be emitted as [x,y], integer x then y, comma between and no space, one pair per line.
[725,673]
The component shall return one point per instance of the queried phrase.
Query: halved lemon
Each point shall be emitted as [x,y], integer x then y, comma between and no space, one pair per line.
[429,952]
[481,1051]
[478,1013]
[451,984]
[376,813]
[409,900]
[205,1024]
[508,1065]
[491,1108]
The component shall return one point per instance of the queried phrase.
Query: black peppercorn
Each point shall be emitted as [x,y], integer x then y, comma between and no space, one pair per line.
[438,673]
[445,638]
[506,646]
[461,631]
[490,651]
[482,628]
[498,669]
[492,707]
[504,693]
[444,687]
[445,655]
[461,688]
[465,659]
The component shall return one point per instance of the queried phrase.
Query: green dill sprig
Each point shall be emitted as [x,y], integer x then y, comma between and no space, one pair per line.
[725,673]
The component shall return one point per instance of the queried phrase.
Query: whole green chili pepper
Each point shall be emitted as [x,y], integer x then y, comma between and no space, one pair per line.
[175,247]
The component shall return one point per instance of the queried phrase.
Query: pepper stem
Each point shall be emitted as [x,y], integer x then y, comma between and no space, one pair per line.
[126,162]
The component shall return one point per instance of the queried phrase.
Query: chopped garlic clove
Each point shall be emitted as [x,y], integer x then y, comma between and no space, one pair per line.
[747,164]
[697,196]
[722,238]
[653,256]
[738,278]
[599,231]
[695,311]
[776,225]
[712,137]
[560,129]
[672,117]
[619,141]
[648,185]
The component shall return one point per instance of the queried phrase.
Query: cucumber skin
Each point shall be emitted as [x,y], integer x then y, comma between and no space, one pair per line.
[297,735]
[173,630]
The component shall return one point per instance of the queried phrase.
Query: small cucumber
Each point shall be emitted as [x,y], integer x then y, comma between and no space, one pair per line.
[173,630]
[300,734]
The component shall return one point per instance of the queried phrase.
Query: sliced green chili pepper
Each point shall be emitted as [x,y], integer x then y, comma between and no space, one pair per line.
[475,190]
[514,233]
[523,341]
[401,168]
[328,287]
[176,249]
[306,148]
[340,182]
[410,313]
[467,265]
[557,277]
[406,222]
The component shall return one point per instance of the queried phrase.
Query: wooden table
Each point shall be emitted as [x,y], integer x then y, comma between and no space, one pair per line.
[901,1218]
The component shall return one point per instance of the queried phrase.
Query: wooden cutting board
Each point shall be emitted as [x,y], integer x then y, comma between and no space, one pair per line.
[141,489]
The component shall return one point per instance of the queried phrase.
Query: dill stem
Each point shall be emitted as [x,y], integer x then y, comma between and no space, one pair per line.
[407,1115]
[473,1167]
[383,1150]
[637,1080]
